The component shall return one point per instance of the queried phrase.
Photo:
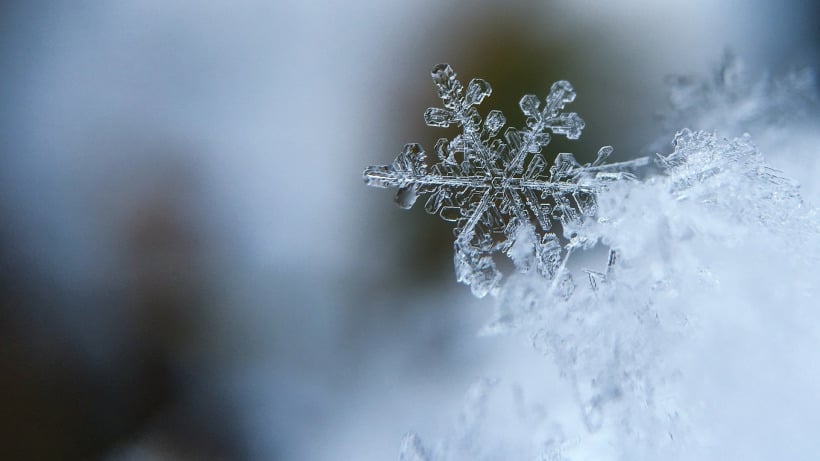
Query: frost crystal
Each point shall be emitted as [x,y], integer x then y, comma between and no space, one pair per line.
[499,188]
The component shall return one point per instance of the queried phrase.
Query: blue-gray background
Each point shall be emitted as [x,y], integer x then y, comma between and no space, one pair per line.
[190,264]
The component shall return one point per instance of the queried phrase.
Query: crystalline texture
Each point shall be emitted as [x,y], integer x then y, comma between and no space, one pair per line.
[494,187]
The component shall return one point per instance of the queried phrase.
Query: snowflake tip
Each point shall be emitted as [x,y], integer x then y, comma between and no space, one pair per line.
[477,90]
[379,176]
[603,154]
[529,105]
[449,88]
[561,94]
[436,116]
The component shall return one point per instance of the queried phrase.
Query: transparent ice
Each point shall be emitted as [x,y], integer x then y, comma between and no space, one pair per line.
[494,186]
[778,108]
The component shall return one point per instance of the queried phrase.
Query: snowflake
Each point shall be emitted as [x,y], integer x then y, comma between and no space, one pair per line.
[498,189]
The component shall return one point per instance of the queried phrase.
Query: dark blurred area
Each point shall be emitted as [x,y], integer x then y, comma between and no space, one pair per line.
[191,267]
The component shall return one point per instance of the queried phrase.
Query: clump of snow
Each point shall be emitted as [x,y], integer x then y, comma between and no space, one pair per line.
[696,326]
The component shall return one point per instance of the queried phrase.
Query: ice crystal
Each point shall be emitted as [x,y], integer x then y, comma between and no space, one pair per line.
[497,188]
[779,109]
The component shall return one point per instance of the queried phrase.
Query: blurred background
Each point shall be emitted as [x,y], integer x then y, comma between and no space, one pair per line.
[190,264]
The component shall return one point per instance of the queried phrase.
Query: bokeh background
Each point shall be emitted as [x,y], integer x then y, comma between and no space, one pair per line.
[190,264]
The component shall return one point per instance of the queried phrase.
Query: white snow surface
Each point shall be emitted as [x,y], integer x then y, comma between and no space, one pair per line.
[699,342]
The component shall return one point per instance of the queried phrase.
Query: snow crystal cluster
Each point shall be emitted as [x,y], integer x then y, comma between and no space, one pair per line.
[685,246]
